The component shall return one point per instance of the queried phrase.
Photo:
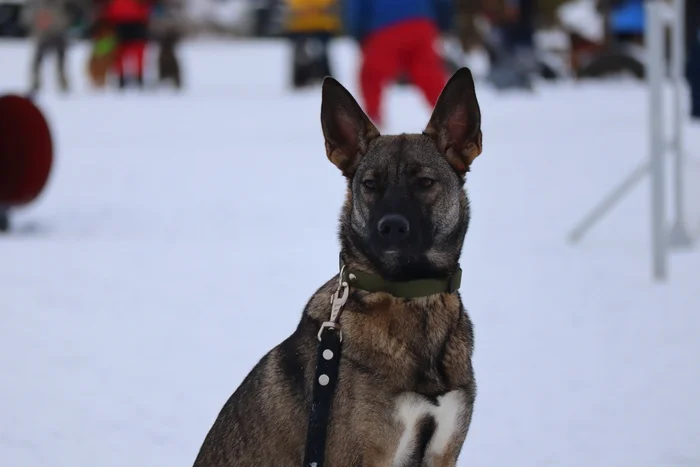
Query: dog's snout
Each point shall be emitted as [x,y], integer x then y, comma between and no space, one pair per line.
[393,227]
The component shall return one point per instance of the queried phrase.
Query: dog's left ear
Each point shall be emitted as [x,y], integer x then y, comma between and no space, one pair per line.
[346,128]
[455,125]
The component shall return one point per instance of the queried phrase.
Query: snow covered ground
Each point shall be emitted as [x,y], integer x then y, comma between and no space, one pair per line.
[181,235]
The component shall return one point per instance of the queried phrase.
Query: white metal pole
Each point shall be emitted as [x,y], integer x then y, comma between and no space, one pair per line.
[609,202]
[654,39]
[679,236]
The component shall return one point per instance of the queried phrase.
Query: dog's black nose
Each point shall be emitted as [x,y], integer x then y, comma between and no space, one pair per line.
[393,227]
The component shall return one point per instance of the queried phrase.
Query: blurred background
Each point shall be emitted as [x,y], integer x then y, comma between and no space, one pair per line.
[177,211]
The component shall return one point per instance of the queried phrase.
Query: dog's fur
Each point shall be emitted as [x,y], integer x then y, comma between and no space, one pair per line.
[406,386]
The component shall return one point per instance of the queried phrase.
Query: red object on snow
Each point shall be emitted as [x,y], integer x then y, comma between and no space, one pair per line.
[26,151]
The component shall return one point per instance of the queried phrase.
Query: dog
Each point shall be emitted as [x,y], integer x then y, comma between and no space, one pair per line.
[102,56]
[406,387]
[98,69]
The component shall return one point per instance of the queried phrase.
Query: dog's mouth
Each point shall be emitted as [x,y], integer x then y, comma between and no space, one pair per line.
[406,248]
[404,251]
[398,255]
[397,263]
[409,268]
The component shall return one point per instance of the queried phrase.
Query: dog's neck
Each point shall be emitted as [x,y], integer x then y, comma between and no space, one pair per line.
[361,276]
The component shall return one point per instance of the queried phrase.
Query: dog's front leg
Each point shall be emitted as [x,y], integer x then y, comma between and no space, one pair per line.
[453,416]
[448,458]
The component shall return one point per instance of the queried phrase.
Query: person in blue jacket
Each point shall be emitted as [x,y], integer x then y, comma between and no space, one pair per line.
[395,37]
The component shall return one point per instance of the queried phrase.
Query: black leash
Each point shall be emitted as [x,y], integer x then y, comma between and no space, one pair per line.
[325,380]
[324,387]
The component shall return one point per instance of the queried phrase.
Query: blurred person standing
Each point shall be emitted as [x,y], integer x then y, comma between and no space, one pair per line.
[130,20]
[514,61]
[692,30]
[310,25]
[398,36]
[466,14]
[49,22]
[168,27]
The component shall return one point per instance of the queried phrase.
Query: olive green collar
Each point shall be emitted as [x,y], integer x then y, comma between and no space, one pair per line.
[406,289]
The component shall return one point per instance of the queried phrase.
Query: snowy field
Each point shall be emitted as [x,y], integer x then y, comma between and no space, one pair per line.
[181,235]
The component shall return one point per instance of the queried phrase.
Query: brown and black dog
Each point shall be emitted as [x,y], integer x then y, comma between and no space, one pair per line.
[406,386]
[103,54]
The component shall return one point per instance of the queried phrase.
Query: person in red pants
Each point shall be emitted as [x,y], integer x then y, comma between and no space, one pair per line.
[130,21]
[398,36]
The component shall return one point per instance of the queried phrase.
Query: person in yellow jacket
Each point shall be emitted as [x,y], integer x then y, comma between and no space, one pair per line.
[310,25]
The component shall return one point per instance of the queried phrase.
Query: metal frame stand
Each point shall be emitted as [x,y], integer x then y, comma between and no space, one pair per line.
[678,237]
[658,15]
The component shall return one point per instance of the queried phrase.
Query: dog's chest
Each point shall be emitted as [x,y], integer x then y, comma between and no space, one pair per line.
[427,426]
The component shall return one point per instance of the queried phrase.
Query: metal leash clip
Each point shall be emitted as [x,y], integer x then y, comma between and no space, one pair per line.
[338,300]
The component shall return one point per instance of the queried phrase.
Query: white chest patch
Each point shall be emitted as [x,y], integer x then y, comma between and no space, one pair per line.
[412,408]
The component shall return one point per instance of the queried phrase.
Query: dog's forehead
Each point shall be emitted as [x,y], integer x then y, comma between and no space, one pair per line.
[402,150]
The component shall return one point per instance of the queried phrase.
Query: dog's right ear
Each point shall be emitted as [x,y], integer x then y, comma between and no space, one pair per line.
[346,128]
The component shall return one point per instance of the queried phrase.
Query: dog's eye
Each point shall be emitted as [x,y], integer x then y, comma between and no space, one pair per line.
[426,182]
[369,184]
